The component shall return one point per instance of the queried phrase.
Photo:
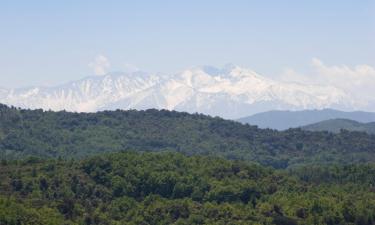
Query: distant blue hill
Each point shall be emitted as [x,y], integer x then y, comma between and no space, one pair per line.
[282,120]
[336,125]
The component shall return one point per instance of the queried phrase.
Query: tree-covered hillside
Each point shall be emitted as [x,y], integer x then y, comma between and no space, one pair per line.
[76,135]
[170,188]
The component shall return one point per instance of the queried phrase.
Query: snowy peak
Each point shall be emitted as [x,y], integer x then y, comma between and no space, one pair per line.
[230,92]
[229,71]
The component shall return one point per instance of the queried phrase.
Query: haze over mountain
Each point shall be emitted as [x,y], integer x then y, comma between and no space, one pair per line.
[282,120]
[229,92]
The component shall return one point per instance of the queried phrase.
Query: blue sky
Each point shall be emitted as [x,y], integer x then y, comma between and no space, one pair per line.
[50,42]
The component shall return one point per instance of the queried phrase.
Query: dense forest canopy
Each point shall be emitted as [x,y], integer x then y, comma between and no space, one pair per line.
[164,167]
[170,188]
[75,135]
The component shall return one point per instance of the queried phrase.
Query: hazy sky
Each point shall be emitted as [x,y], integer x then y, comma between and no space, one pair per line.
[50,42]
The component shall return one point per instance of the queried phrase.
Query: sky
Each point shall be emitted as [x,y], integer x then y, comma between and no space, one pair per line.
[51,42]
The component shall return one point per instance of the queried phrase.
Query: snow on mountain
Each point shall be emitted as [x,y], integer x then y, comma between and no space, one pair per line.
[230,92]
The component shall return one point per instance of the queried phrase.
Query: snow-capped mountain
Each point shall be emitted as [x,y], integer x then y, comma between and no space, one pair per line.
[230,92]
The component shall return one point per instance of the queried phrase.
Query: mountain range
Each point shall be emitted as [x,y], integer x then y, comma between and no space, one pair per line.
[230,92]
[282,120]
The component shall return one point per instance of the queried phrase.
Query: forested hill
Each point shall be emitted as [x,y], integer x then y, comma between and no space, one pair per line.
[76,135]
[169,188]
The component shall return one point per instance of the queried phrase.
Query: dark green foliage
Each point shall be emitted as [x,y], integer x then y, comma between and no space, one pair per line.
[169,188]
[40,133]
